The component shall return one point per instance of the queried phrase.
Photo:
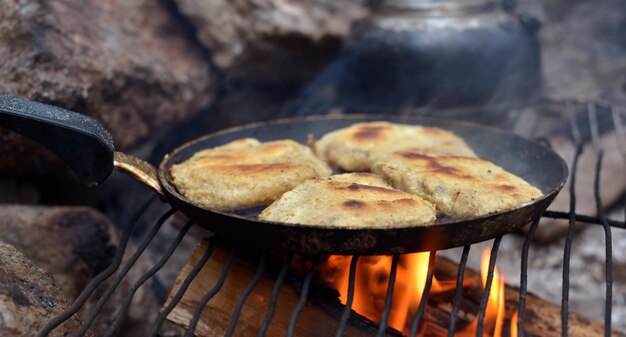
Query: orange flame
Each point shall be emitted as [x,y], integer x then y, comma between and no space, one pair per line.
[514,324]
[372,278]
[494,315]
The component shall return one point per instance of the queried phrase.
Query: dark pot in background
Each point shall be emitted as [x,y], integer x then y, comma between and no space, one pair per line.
[450,57]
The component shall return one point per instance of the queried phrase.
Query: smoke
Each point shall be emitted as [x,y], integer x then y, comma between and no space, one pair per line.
[478,66]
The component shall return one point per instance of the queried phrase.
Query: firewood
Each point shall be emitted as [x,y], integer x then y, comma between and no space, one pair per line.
[321,315]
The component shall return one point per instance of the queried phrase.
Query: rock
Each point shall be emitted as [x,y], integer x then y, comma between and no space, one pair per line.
[75,244]
[226,27]
[28,297]
[128,64]
[268,51]
[72,243]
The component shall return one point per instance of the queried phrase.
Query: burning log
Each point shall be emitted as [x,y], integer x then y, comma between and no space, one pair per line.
[321,316]
[217,314]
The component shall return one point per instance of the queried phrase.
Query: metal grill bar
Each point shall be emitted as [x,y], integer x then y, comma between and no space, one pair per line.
[275,292]
[209,294]
[621,139]
[96,281]
[242,299]
[485,299]
[303,297]
[568,242]
[429,281]
[583,218]
[524,277]
[181,291]
[571,117]
[122,273]
[593,125]
[347,310]
[121,314]
[609,249]
[619,132]
[454,314]
[389,298]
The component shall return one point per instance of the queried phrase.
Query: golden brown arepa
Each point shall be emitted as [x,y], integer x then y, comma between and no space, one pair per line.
[246,173]
[350,200]
[458,186]
[356,147]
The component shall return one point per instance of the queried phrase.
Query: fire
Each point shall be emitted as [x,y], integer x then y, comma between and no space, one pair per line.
[495,306]
[514,324]
[372,278]
[494,313]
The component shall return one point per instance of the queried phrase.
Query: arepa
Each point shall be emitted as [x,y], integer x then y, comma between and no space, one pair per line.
[350,200]
[246,173]
[458,186]
[356,147]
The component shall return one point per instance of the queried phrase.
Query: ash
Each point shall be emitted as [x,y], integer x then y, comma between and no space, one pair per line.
[545,268]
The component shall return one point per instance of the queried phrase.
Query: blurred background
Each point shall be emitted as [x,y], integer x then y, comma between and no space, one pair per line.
[160,73]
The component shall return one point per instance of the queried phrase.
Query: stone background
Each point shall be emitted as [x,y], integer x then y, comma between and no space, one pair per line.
[159,73]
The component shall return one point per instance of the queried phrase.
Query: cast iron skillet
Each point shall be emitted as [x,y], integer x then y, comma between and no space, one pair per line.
[88,149]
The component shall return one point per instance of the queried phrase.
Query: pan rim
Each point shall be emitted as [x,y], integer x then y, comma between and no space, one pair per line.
[169,187]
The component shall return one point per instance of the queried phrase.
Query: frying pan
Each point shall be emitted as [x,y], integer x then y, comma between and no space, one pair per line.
[88,150]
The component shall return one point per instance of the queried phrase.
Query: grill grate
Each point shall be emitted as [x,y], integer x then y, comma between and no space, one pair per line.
[568,242]
[209,295]
[194,272]
[424,299]
[454,315]
[122,269]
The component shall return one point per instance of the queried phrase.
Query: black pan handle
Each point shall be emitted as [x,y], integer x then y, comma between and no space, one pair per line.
[82,142]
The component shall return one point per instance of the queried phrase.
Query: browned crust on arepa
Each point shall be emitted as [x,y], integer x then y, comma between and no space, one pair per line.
[355,148]
[343,201]
[458,186]
[246,173]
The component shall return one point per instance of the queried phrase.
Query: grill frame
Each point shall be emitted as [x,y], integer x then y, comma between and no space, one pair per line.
[571,216]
